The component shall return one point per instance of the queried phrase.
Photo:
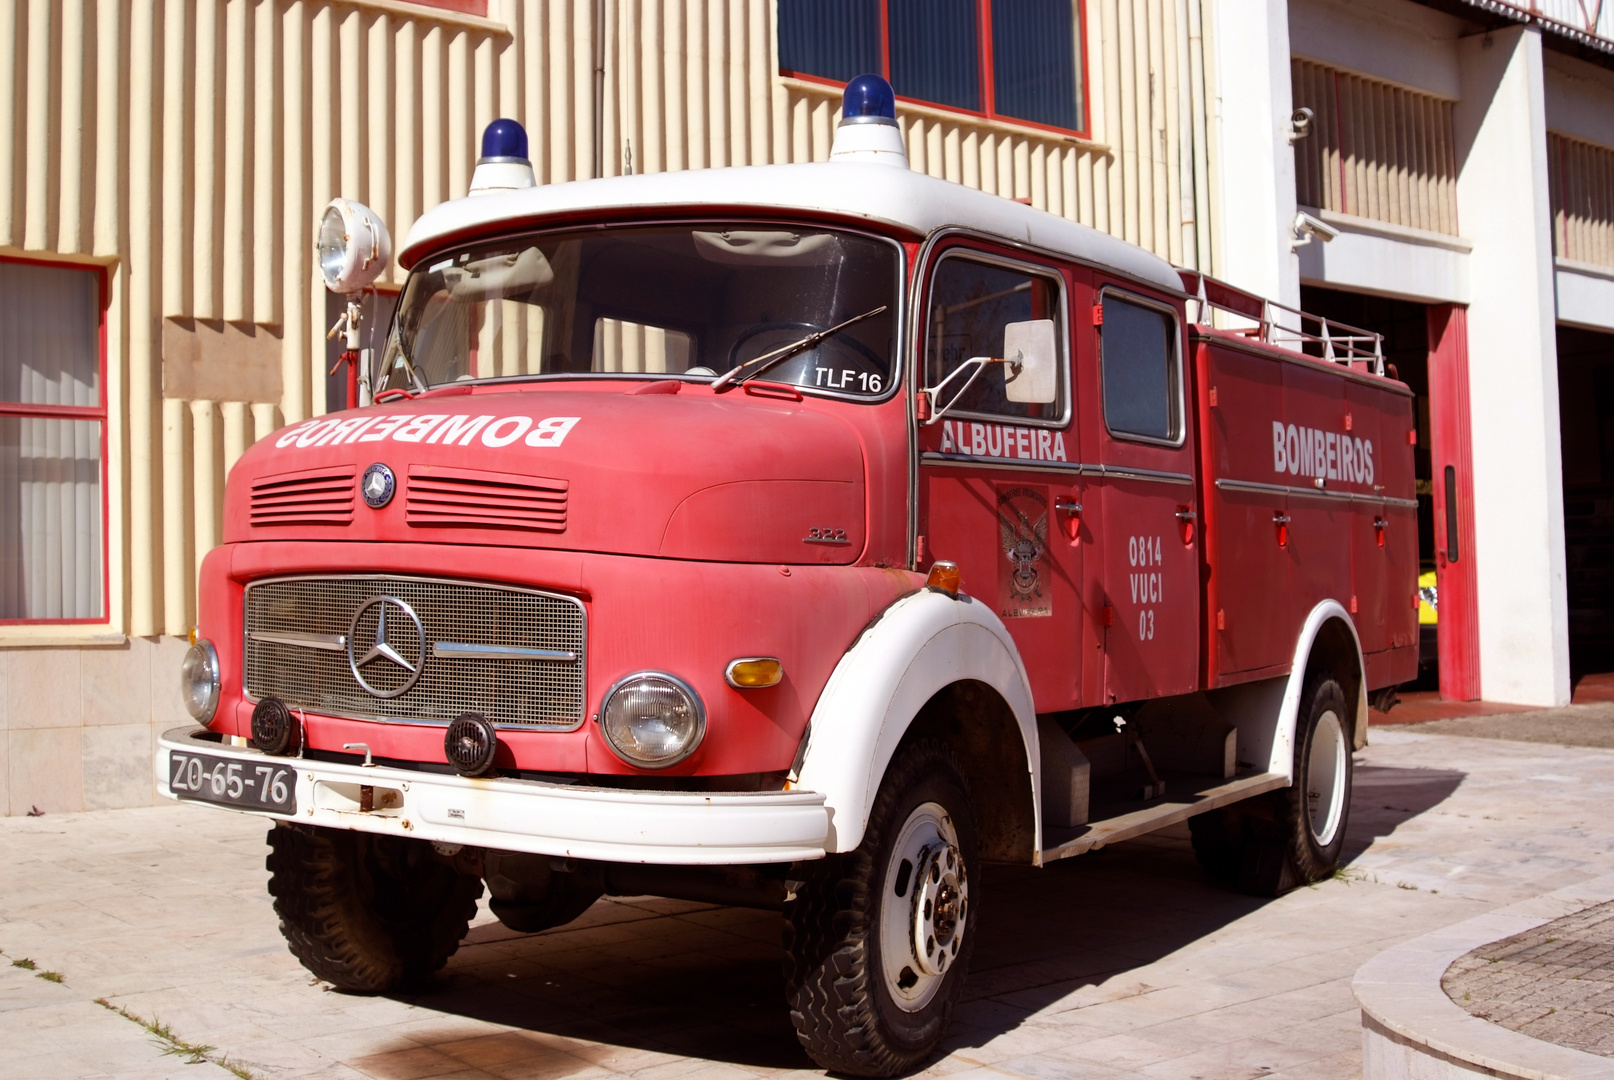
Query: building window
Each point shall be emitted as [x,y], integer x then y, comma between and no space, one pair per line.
[1374,150]
[1017,60]
[52,444]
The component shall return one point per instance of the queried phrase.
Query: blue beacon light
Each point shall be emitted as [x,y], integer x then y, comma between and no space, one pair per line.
[504,141]
[503,165]
[869,100]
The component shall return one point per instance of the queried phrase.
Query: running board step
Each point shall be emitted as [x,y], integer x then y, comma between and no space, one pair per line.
[1182,801]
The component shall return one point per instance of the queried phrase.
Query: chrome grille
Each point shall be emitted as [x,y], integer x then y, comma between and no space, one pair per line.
[296,649]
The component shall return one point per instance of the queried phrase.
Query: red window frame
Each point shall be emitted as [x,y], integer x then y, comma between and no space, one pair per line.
[983,10]
[97,413]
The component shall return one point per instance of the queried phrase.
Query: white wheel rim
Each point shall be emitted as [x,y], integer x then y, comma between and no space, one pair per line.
[1325,778]
[923,908]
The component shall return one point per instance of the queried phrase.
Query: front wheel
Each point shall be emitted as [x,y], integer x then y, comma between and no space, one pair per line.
[371,914]
[878,940]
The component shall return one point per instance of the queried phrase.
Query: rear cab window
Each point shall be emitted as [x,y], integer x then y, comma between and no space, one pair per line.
[1141,370]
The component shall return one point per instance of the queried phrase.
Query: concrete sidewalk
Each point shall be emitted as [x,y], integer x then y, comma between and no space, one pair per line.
[1123,963]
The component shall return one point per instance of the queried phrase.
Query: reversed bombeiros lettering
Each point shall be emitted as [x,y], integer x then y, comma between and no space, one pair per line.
[1002,441]
[496,431]
[1324,455]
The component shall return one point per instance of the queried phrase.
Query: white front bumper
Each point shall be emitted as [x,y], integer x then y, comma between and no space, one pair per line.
[611,824]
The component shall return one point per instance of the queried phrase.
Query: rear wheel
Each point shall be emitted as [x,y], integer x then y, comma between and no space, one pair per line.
[1291,837]
[877,940]
[371,914]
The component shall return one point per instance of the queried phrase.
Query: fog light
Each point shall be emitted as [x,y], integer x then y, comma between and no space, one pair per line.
[470,744]
[274,730]
[652,720]
[199,680]
[754,673]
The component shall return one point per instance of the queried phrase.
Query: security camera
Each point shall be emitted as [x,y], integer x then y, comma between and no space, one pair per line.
[1306,227]
[1300,124]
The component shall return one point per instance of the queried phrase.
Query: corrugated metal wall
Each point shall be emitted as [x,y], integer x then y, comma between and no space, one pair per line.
[1375,150]
[1582,177]
[189,144]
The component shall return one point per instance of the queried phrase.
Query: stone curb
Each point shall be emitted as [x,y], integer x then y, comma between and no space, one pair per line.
[1412,1031]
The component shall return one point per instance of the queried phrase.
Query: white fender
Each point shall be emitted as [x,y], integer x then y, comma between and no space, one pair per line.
[1283,742]
[921,643]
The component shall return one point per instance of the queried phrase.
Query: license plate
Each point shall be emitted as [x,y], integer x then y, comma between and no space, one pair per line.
[247,785]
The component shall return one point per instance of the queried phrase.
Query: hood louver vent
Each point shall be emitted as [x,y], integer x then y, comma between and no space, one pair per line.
[467,498]
[310,497]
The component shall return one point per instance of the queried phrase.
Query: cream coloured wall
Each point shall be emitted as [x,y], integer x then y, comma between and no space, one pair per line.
[188,146]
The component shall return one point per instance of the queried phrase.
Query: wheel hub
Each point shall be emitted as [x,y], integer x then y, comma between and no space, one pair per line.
[940,898]
[1325,778]
[924,913]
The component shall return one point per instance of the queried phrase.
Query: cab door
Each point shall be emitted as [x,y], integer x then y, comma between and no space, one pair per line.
[1137,423]
[999,486]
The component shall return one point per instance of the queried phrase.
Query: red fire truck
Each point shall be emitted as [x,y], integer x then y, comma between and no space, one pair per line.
[804,537]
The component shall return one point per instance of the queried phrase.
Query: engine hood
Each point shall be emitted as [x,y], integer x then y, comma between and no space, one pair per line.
[662,469]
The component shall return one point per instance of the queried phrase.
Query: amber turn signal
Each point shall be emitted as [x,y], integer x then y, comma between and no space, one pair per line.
[754,673]
[945,576]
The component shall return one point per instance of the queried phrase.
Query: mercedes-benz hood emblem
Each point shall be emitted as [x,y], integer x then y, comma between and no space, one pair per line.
[377,485]
[397,642]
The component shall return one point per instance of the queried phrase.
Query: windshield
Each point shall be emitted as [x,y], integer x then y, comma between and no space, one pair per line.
[690,300]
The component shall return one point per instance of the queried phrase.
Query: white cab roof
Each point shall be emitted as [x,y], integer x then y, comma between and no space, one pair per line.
[879,194]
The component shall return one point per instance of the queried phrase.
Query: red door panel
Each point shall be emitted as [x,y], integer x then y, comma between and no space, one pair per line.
[1384,539]
[1453,439]
[1009,539]
[1330,465]
[1248,579]
[1146,564]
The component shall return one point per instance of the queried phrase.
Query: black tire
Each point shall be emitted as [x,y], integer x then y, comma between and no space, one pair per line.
[369,914]
[855,1009]
[1317,806]
[1277,841]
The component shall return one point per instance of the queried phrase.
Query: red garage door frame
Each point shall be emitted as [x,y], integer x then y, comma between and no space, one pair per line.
[1452,452]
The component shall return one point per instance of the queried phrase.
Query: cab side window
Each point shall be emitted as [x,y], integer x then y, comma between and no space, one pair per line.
[971,302]
[1142,376]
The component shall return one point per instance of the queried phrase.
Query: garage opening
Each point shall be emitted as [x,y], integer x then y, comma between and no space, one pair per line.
[1586,425]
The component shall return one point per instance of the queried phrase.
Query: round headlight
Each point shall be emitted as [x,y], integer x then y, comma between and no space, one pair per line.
[352,244]
[653,720]
[199,680]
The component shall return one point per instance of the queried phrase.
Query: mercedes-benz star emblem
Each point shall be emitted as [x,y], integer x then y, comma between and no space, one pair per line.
[377,486]
[395,642]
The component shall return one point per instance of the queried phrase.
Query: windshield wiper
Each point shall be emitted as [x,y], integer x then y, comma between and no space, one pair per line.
[767,360]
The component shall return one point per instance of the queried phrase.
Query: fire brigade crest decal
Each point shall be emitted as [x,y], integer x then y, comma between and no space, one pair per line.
[1023,536]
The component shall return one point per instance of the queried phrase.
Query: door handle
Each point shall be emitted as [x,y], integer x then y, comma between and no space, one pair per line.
[1068,506]
[1281,520]
[1187,517]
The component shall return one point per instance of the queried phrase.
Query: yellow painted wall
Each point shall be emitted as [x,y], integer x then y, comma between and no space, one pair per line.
[188,145]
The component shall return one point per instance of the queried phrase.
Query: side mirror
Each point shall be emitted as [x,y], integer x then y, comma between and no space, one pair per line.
[1031,362]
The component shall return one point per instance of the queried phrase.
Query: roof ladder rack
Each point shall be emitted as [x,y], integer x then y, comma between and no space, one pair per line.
[1272,323]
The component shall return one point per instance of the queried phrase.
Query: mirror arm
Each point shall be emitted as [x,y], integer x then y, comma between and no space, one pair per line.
[978,363]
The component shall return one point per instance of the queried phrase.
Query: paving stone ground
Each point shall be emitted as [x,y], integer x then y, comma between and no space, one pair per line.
[1590,724]
[1124,963]
[1554,983]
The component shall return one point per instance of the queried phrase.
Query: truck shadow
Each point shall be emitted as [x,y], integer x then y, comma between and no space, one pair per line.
[639,981]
